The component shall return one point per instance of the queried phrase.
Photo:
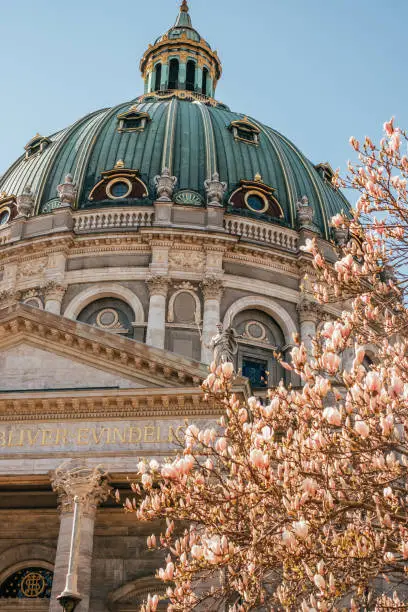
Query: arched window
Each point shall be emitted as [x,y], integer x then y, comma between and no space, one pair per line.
[260,337]
[157,80]
[205,81]
[109,314]
[173,74]
[28,583]
[190,81]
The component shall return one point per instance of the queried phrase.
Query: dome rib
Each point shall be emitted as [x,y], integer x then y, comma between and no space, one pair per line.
[168,146]
[305,162]
[289,180]
[209,137]
[98,131]
[48,189]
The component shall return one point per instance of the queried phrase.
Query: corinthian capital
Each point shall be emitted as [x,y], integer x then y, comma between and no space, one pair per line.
[74,478]
[212,288]
[158,285]
[54,291]
[308,311]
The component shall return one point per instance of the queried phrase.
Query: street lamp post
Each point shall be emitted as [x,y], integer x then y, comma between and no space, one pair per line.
[70,598]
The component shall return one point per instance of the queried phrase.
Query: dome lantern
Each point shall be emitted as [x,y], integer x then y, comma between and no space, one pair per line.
[181,60]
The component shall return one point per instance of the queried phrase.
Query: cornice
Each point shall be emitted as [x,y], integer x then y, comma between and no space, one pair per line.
[95,405]
[96,347]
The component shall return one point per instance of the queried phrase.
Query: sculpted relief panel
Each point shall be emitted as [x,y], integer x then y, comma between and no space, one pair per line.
[187,260]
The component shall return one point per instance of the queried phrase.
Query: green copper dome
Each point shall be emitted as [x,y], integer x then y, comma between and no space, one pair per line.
[185,132]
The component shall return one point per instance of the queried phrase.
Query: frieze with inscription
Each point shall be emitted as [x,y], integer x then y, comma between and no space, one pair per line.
[139,435]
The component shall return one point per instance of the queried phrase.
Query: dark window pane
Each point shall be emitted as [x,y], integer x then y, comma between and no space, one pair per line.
[256,203]
[118,190]
[256,372]
[190,83]
[246,135]
[158,77]
[205,78]
[173,74]
[4,217]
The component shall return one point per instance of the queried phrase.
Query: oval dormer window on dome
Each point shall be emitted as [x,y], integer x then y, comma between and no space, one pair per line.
[118,184]
[255,198]
[36,145]
[5,215]
[245,131]
[132,120]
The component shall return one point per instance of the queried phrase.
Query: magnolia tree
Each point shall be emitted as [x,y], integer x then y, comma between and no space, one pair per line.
[300,502]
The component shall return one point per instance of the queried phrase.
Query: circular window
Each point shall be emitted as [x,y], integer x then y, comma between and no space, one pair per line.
[4,216]
[255,330]
[256,202]
[107,318]
[119,189]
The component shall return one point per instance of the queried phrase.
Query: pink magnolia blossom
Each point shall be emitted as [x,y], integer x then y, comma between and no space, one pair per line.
[361,427]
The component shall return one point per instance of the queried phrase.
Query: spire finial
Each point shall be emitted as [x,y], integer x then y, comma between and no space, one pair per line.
[184,7]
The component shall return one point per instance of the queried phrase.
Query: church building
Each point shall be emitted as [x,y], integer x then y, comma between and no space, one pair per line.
[125,239]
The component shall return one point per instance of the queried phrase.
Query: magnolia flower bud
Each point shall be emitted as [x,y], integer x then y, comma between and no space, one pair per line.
[288,538]
[319,582]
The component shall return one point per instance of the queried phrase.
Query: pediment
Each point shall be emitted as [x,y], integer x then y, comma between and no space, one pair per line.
[27,367]
[40,350]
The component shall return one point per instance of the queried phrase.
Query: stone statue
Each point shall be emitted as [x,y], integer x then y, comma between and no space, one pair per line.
[165,185]
[67,191]
[215,190]
[224,345]
[304,212]
[25,202]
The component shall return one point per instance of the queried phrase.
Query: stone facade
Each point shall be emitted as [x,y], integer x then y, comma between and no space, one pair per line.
[106,390]
[112,284]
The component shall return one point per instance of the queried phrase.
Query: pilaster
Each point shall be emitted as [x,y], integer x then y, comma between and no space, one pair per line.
[53,295]
[156,324]
[76,479]
[212,288]
[309,315]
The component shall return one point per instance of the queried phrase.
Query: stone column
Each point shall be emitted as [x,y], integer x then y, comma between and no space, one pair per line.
[71,479]
[53,296]
[156,323]
[308,319]
[212,290]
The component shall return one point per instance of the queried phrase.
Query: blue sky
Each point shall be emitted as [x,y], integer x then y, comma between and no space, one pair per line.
[316,70]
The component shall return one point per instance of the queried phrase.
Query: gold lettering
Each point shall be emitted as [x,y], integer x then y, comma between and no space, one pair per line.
[46,433]
[32,440]
[81,439]
[62,437]
[149,433]
[21,441]
[97,437]
[175,435]
[158,434]
[137,432]
[121,436]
